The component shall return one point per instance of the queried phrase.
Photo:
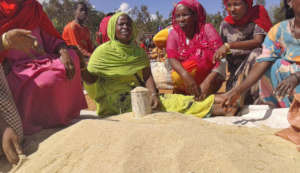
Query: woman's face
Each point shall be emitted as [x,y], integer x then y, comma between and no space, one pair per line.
[124,29]
[185,17]
[295,4]
[237,8]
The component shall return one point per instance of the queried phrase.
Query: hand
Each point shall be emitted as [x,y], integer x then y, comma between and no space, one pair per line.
[21,40]
[11,145]
[191,85]
[228,99]
[204,93]
[68,63]
[220,54]
[287,86]
[155,102]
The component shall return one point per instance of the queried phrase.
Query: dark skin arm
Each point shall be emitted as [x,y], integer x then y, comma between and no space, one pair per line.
[147,75]
[67,61]
[243,45]
[189,81]
[258,70]
[211,84]
[10,142]
[85,74]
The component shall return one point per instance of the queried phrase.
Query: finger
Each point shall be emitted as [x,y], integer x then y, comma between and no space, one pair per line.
[283,90]
[17,146]
[31,37]
[10,153]
[23,31]
[291,91]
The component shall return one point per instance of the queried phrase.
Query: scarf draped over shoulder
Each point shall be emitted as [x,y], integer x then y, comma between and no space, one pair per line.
[256,14]
[115,59]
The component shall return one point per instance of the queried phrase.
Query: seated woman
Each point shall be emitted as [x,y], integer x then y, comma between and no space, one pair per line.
[243,32]
[278,67]
[45,81]
[119,65]
[190,48]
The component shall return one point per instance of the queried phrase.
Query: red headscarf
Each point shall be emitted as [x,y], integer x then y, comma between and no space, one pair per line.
[103,28]
[256,14]
[28,16]
[197,8]
[203,45]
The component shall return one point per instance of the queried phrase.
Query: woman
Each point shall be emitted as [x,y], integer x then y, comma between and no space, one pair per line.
[118,66]
[190,49]
[45,81]
[277,67]
[243,32]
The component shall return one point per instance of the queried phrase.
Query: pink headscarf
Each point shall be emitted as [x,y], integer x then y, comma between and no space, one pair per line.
[201,41]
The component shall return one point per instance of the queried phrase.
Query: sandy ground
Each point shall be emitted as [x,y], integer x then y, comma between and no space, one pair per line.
[158,143]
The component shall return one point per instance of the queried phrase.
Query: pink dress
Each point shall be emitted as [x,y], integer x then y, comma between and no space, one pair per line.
[44,96]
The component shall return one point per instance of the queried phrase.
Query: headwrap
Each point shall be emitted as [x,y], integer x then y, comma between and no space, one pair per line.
[113,58]
[202,42]
[28,16]
[256,14]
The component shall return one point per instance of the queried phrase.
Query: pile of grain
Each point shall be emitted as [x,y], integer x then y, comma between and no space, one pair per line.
[162,143]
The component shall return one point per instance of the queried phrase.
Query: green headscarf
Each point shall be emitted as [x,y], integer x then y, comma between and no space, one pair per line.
[114,58]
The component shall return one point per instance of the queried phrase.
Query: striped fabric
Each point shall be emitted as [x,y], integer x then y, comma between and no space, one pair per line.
[8,110]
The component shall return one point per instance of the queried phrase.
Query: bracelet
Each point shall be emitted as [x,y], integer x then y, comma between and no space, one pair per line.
[5,42]
[227,47]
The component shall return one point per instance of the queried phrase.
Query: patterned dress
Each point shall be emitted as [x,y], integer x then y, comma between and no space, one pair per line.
[283,49]
[240,61]
[8,109]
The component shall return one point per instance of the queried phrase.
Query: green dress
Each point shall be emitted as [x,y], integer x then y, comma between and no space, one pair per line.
[117,66]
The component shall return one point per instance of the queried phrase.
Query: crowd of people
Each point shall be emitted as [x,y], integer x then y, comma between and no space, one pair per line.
[43,72]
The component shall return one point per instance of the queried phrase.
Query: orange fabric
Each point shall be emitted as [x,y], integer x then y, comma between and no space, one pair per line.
[293,133]
[79,36]
[192,68]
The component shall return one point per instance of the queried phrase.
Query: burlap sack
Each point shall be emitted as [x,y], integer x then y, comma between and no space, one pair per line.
[161,72]
[293,133]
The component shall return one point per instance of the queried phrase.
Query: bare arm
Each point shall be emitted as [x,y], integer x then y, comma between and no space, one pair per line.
[211,84]
[244,45]
[147,75]
[255,74]
[248,44]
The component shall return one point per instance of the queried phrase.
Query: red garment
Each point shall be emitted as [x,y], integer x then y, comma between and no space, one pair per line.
[103,29]
[200,49]
[30,17]
[256,14]
[79,36]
